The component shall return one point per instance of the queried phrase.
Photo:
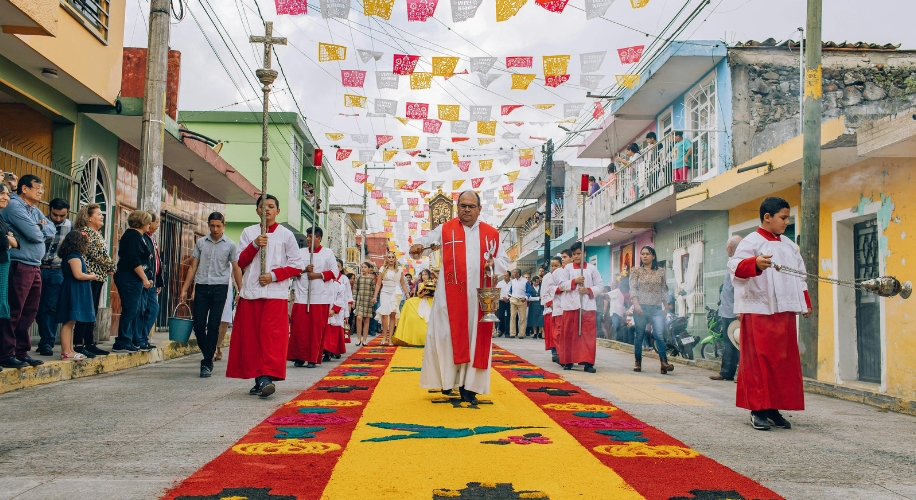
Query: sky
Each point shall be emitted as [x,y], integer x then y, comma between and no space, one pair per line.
[218,66]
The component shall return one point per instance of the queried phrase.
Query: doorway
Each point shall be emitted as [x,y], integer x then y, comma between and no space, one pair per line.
[868,310]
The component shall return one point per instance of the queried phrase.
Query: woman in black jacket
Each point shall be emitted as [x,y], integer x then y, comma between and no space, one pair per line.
[133,275]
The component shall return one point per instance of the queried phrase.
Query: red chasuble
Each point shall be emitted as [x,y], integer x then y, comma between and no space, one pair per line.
[456,290]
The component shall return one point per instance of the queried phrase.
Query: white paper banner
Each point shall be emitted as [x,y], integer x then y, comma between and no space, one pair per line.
[459,127]
[494,178]
[381,181]
[366,154]
[375,115]
[360,138]
[511,135]
[482,64]
[335,8]
[481,113]
[590,81]
[596,8]
[387,80]
[432,142]
[591,61]
[443,166]
[487,79]
[462,10]
[365,55]
[572,109]
[389,106]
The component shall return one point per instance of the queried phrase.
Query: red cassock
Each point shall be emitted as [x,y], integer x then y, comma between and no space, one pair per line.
[549,342]
[334,340]
[310,328]
[769,371]
[258,344]
[556,327]
[571,348]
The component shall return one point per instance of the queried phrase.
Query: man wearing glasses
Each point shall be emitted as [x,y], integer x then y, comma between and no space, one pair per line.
[458,346]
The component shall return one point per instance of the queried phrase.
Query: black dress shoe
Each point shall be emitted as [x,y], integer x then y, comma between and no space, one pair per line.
[311,365]
[778,420]
[31,361]
[759,421]
[45,352]
[590,368]
[568,366]
[298,363]
[555,358]
[468,396]
[337,356]
[94,349]
[205,372]
[446,392]
[256,389]
[12,362]
[267,387]
[325,358]
[85,352]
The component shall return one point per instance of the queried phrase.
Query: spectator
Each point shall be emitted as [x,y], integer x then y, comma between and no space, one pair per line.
[535,309]
[52,277]
[593,185]
[683,149]
[411,287]
[519,291]
[90,220]
[649,290]
[616,309]
[730,354]
[7,241]
[630,154]
[75,293]
[30,228]
[134,274]
[503,311]
[149,300]
[214,265]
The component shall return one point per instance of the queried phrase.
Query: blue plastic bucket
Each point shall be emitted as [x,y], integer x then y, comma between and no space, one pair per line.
[180,328]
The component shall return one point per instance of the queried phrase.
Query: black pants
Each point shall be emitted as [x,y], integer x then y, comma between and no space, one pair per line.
[209,301]
[503,314]
[729,353]
[84,333]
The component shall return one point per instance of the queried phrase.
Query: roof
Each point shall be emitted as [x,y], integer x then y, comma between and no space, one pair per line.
[792,44]
[537,185]
[519,216]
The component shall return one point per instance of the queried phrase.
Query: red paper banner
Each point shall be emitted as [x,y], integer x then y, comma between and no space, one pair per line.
[417,110]
[404,64]
[630,55]
[508,188]
[343,154]
[392,218]
[533,138]
[464,166]
[419,214]
[505,109]
[411,225]
[517,124]
[415,152]
[599,111]
[555,80]
[382,139]
[360,178]
[510,199]
[459,139]
[376,194]
[402,163]
[525,161]
[421,10]
[552,5]
[431,126]
[455,196]
[424,232]
[352,77]
[386,206]
[476,182]
[519,62]
[291,7]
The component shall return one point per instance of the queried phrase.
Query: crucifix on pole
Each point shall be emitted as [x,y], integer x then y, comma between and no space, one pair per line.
[266,76]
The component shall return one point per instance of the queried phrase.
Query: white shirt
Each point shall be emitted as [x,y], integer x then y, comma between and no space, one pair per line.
[519,288]
[772,291]
[340,301]
[556,277]
[323,292]
[503,286]
[615,298]
[572,300]
[282,251]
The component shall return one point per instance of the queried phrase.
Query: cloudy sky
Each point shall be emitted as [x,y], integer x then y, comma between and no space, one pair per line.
[218,64]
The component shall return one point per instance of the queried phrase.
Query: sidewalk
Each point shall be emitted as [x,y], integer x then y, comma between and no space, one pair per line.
[56,369]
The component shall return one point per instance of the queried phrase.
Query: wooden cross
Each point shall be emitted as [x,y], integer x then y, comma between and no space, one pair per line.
[269,41]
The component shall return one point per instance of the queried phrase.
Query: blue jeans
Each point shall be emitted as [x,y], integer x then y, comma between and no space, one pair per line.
[149,310]
[51,282]
[130,292]
[730,355]
[655,316]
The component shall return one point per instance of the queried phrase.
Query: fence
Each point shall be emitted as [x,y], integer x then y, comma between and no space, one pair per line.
[23,156]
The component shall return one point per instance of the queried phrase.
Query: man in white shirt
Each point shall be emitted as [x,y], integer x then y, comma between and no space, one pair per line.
[518,305]
[503,312]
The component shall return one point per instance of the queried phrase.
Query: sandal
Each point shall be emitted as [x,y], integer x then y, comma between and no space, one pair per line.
[219,355]
[72,355]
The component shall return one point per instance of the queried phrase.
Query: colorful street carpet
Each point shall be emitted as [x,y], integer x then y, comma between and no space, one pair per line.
[368,431]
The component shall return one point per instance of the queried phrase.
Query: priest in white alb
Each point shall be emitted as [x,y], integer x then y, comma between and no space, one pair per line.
[458,345]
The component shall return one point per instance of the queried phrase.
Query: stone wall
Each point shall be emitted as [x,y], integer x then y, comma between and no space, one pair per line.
[861,86]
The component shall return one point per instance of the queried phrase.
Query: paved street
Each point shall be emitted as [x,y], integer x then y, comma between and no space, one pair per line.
[132,434]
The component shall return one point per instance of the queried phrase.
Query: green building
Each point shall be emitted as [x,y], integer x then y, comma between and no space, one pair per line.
[291,148]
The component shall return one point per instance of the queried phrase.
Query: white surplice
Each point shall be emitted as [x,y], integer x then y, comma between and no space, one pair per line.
[439,369]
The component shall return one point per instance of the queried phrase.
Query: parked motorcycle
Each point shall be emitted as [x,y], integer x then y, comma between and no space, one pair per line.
[678,341]
[711,347]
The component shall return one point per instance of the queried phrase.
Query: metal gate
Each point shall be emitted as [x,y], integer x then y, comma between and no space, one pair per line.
[868,311]
[173,231]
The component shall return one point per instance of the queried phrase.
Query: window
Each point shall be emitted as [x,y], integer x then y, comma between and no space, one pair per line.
[92,13]
[683,239]
[702,121]
[665,124]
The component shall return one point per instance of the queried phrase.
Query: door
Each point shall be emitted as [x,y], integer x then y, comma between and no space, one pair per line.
[868,311]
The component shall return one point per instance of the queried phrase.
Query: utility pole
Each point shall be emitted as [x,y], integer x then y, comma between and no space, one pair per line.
[547,155]
[362,250]
[811,181]
[152,129]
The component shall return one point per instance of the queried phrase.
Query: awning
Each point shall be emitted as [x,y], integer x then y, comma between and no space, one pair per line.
[519,216]
[187,157]
[538,185]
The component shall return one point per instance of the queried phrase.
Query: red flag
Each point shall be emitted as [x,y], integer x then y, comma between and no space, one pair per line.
[377,194]
[291,7]
[382,139]
[525,161]
[404,64]
[424,232]
[476,182]
[392,218]
[459,139]
[455,195]
[599,111]
[517,124]
[431,126]
[519,62]
[508,108]
[630,55]
[352,77]
[417,110]
[402,163]
[464,165]
[413,201]
[415,152]
[508,188]
[421,10]
[552,5]
[411,225]
[555,80]
[360,178]
[419,214]
[343,154]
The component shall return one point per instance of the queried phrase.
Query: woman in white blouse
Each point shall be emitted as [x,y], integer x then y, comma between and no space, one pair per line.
[389,278]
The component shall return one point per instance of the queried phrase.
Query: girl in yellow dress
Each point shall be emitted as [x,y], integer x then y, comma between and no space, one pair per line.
[411,330]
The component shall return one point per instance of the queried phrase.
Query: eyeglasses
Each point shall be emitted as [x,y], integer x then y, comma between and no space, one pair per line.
[467,207]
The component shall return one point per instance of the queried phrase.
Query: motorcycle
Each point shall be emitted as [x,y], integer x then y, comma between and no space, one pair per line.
[711,347]
[677,340]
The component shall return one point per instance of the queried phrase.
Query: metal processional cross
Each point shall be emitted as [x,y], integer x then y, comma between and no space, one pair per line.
[266,76]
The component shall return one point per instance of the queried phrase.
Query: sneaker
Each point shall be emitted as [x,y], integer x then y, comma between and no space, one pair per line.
[129,349]
[267,387]
[256,389]
[778,420]
[94,349]
[205,372]
[82,350]
[759,421]
[146,348]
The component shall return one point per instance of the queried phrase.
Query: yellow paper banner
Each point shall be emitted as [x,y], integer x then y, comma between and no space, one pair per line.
[388,154]
[334,136]
[485,140]
[485,165]
[391,212]
[449,112]
[423,165]
[505,9]
[389,234]
[370,186]
[455,157]
[380,8]
[330,52]
[427,225]
[405,121]
[486,128]
[457,184]
[409,141]
[420,81]
[444,66]
[521,81]
[556,65]
[525,152]
[512,175]
[638,4]
[399,183]
[354,101]
[357,164]
[628,81]
[544,106]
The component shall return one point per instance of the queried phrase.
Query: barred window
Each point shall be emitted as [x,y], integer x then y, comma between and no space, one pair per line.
[92,13]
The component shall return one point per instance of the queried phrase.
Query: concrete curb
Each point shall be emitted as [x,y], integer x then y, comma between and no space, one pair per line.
[57,370]
[871,398]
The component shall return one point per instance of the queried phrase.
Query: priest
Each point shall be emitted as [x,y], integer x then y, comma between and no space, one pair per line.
[458,345]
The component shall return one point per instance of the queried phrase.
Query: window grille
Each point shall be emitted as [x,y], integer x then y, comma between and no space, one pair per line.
[683,239]
[93,14]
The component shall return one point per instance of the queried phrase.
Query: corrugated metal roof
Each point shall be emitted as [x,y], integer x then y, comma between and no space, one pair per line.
[792,44]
